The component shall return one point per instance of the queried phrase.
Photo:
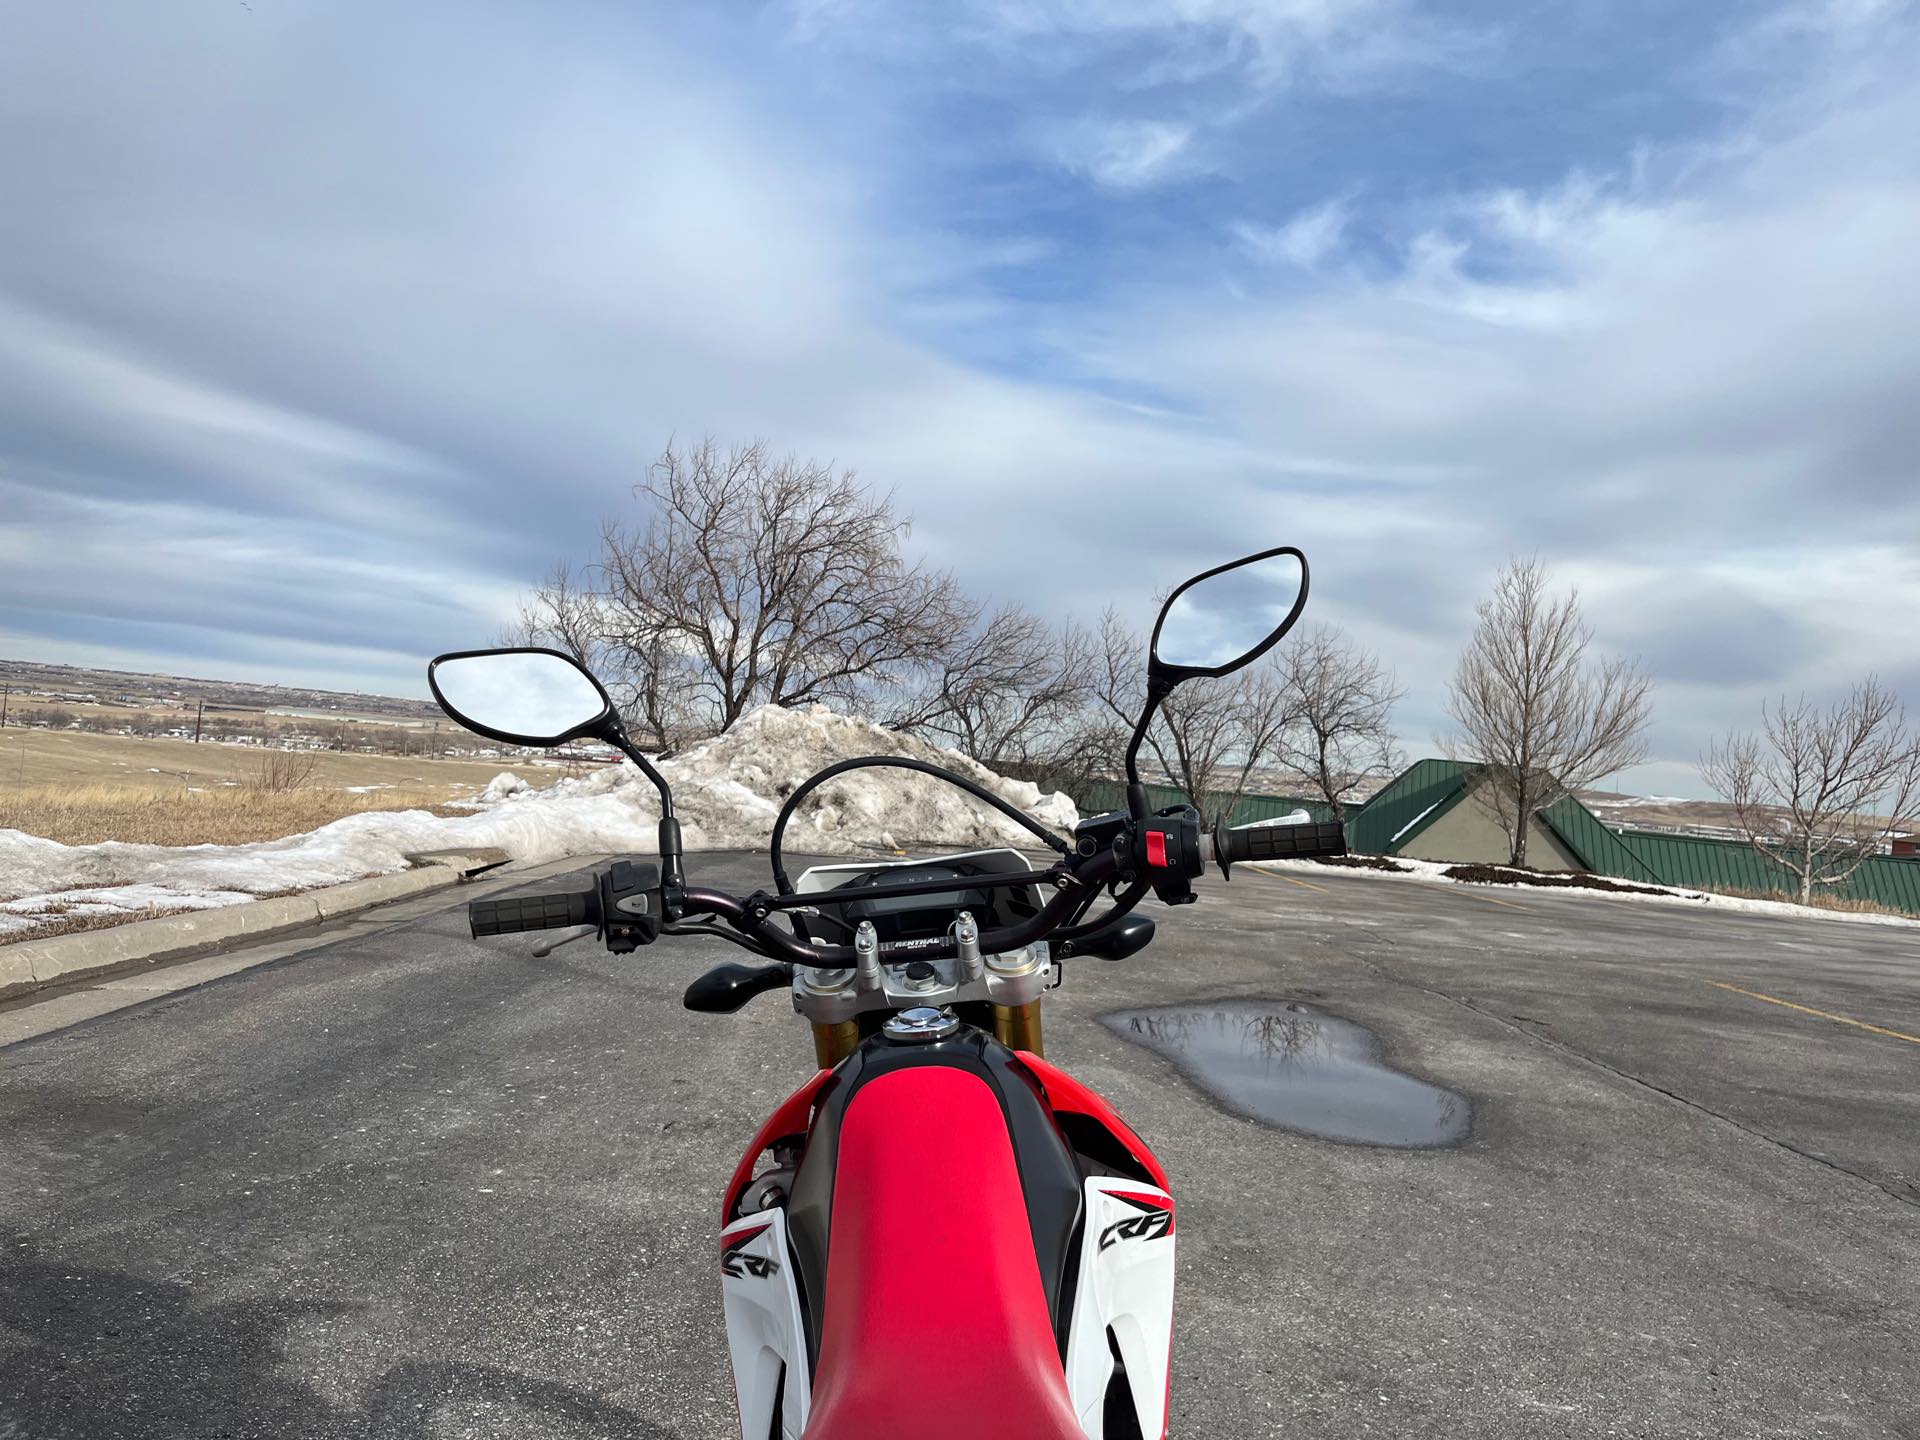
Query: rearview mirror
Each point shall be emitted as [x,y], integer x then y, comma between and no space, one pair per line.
[1217,622]
[521,696]
[1228,617]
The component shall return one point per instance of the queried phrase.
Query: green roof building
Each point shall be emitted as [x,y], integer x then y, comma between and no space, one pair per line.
[1440,810]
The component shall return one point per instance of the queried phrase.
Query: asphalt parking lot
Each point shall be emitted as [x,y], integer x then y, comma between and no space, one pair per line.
[402,1184]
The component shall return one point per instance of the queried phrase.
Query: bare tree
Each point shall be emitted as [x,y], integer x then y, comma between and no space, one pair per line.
[280,772]
[1532,712]
[1005,691]
[1820,791]
[1341,702]
[1209,735]
[771,580]
[564,613]
[647,680]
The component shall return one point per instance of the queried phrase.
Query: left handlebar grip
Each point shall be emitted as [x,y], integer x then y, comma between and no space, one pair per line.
[1276,842]
[533,912]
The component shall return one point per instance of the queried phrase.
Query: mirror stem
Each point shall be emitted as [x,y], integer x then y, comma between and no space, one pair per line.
[1158,688]
[670,852]
[670,869]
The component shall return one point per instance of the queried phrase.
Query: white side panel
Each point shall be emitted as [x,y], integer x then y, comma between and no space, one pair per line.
[764,1325]
[1126,1286]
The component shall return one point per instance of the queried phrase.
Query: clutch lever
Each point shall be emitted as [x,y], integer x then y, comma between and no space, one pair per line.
[579,932]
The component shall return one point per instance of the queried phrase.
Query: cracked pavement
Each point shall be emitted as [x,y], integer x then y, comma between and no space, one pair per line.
[403,1184]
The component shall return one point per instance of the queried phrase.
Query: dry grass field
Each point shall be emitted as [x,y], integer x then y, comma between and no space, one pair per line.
[71,757]
[81,788]
[88,814]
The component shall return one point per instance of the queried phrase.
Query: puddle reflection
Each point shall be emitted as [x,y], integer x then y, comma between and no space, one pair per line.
[1300,1069]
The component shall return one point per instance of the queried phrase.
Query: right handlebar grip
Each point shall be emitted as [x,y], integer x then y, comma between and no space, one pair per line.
[1278,842]
[533,912]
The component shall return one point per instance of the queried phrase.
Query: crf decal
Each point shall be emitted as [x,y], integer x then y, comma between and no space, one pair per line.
[733,1262]
[1154,1221]
[757,1266]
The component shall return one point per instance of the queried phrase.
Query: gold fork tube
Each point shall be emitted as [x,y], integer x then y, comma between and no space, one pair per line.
[1018,1027]
[833,1043]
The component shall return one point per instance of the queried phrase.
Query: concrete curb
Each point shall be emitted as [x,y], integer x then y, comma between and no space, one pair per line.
[29,965]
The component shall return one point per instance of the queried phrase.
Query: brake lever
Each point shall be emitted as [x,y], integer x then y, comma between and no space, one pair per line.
[547,947]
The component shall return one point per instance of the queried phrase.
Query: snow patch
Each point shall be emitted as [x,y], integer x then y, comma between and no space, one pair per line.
[727,791]
[501,786]
[115,899]
[1432,872]
[1415,821]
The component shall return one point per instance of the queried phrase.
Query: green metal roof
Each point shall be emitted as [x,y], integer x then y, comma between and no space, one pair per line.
[1712,864]
[1598,848]
[1427,790]
[1423,793]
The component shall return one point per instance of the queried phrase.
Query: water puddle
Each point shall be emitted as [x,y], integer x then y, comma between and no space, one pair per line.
[1301,1069]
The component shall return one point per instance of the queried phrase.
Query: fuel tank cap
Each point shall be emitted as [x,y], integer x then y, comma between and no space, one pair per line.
[920,1024]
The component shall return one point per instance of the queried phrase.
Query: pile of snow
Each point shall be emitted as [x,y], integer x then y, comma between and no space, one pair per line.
[501,787]
[727,793]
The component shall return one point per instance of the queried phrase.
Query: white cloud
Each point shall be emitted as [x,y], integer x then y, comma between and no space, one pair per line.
[1121,154]
[1307,240]
[1270,42]
[500,303]
[60,373]
[1434,278]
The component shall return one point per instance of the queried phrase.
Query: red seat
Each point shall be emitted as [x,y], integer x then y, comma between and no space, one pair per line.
[936,1325]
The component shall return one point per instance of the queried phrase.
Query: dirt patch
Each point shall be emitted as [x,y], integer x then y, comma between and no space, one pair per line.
[1560,880]
[1364,862]
[62,924]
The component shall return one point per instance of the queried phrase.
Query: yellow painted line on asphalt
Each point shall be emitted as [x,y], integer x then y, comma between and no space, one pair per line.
[1303,884]
[1823,1014]
[1491,899]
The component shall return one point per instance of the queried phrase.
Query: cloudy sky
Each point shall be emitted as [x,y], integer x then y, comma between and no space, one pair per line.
[325,326]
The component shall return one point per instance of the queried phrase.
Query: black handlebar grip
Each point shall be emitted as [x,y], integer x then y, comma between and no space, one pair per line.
[534,912]
[1277,842]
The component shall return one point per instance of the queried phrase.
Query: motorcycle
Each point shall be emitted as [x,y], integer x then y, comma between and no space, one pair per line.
[939,1234]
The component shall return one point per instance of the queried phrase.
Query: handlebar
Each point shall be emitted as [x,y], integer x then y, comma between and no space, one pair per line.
[1275,842]
[628,906]
[1079,883]
[756,916]
[534,912]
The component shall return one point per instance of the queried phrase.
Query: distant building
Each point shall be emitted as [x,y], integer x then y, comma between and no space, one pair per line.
[1440,810]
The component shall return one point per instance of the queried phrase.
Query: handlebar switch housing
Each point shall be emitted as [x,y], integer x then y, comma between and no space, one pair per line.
[630,905]
[1167,852]
[1098,832]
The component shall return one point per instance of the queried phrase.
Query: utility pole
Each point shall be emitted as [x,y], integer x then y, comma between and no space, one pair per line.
[6,692]
[198,716]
